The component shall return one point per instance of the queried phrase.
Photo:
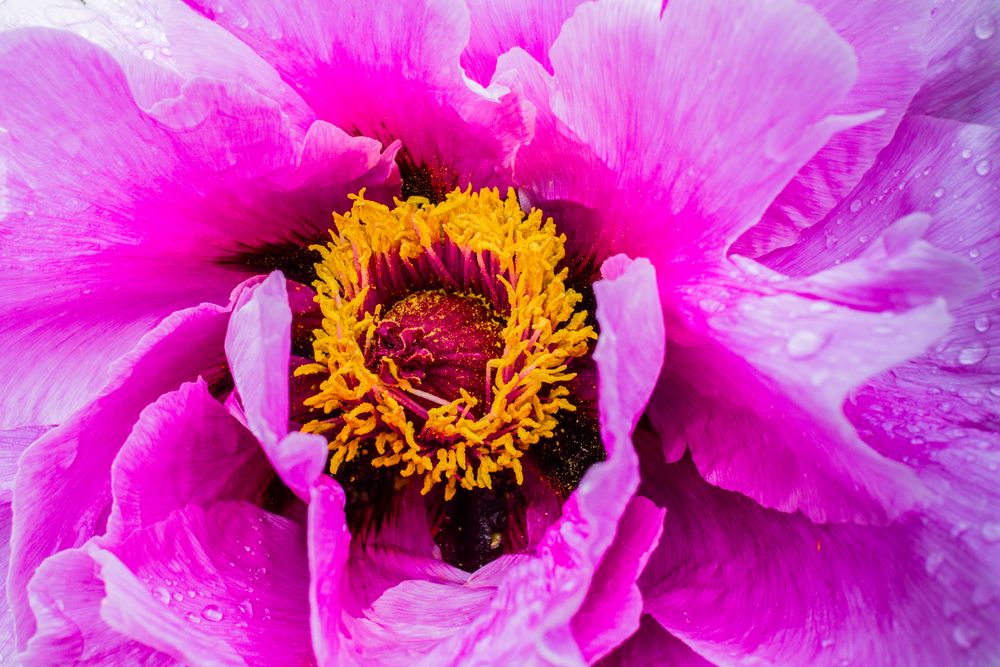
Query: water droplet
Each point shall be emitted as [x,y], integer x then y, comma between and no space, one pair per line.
[803,344]
[193,617]
[995,390]
[974,253]
[191,594]
[162,594]
[982,323]
[826,642]
[148,54]
[964,637]
[211,613]
[926,171]
[939,193]
[178,597]
[855,206]
[973,354]
[991,532]
[933,563]
[983,166]
[864,238]
[985,27]
[966,153]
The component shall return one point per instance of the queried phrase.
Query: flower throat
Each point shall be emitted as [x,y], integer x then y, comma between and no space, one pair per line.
[447,337]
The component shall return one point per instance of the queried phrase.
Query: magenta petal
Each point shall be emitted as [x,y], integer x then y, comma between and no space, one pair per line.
[761,407]
[329,542]
[66,594]
[963,76]
[222,586]
[109,227]
[889,40]
[394,75]
[59,511]
[611,610]
[258,347]
[185,449]
[732,578]
[652,645]
[678,177]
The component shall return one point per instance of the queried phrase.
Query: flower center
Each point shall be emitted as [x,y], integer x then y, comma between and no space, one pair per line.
[447,334]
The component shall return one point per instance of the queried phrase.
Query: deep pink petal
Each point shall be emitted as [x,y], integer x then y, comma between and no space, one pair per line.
[222,586]
[963,76]
[889,39]
[108,227]
[652,645]
[185,449]
[678,177]
[395,74]
[732,578]
[500,25]
[60,511]
[258,347]
[329,543]
[66,594]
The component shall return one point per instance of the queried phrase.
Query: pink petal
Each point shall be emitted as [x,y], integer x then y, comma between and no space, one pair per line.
[258,347]
[394,74]
[889,39]
[110,226]
[185,449]
[498,26]
[66,594]
[222,586]
[678,177]
[732,578]
[53,512]
[963,76]
[652,645]
[329,542]
[759,400]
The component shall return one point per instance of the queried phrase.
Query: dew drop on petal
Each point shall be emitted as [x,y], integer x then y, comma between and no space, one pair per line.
[933,563]
[964,637]
[162,594]
[193,617]
[178,597]
[855,206]
[148,54]
[983,166]
[938,193]
[211,613]
[966,153]
[803,344]
[982,323]
[973,354]
[991,532]
[985,27]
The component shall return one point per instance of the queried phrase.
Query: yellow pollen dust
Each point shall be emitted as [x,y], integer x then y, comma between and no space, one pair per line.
[478,242]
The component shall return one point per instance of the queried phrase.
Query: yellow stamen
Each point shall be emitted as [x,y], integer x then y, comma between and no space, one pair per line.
[514,260]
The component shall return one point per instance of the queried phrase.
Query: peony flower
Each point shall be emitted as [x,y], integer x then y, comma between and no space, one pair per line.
[448,332]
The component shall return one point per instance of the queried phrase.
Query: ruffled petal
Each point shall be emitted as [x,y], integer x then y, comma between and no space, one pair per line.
[395,74]
[159,44]
[732,578]
[520,609]
[498,26]
[963,76]
[66,595]
[222,586]
[110,226]
[889,39]
[258,347]
[185,449]
[678,177]
[12,444]
[759,399]
[62,493]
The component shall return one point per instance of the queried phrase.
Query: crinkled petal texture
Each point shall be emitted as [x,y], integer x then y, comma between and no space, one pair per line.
[394,74]
[114,216]
[570,600]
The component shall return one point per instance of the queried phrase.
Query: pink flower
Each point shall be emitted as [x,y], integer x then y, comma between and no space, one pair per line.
[784,443]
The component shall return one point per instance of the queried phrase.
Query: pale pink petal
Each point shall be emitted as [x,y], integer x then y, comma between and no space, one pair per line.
[889,40]
[222,586]
[65,594]
[329,543]
[258,347]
